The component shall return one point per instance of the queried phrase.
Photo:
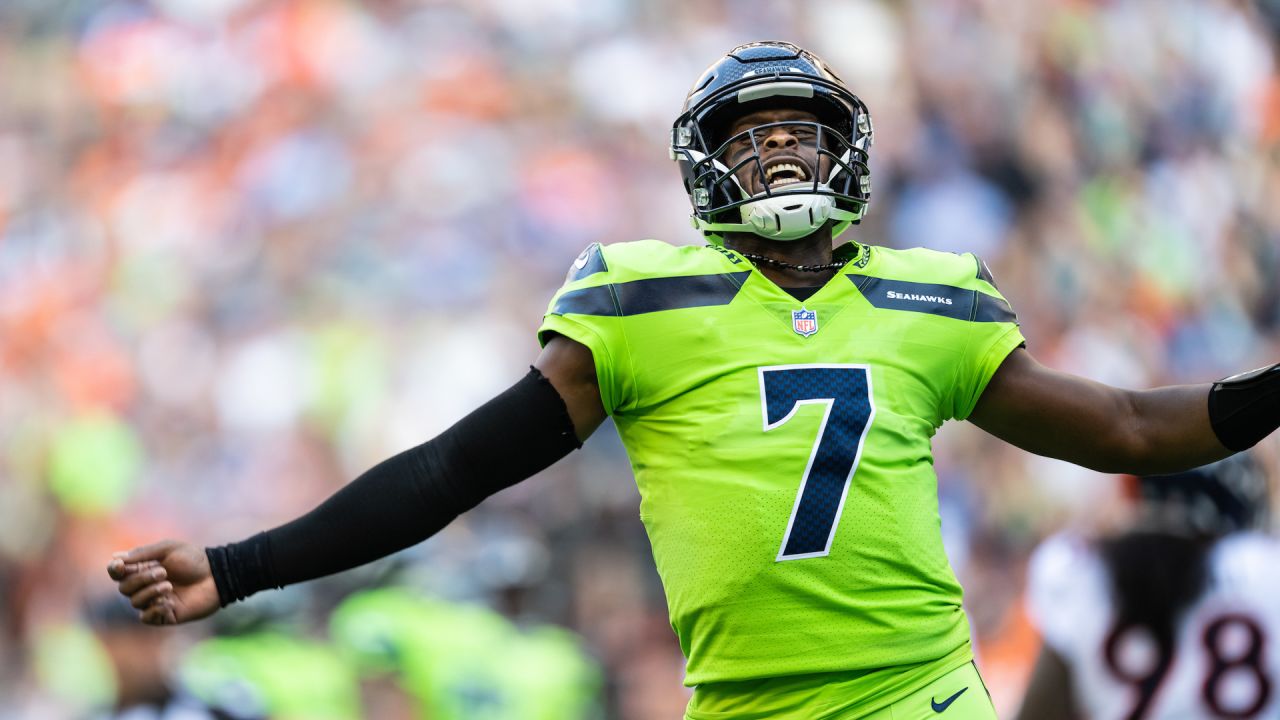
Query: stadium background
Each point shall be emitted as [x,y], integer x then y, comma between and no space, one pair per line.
[250,247]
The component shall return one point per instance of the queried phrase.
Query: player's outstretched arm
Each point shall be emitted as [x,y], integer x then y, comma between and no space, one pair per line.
[398,503]
[1143,432]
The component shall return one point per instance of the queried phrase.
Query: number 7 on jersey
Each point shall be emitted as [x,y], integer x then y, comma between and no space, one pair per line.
[845,390]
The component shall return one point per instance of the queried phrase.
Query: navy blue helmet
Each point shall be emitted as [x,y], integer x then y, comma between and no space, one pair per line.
[766,76]
[1216,499]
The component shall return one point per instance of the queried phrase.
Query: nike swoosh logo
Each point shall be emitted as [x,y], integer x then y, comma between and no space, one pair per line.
[940,706]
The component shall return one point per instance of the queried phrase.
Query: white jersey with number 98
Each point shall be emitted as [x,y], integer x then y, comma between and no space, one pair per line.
[1226,660]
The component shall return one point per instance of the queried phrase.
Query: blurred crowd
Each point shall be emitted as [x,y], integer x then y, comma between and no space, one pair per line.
[248,248]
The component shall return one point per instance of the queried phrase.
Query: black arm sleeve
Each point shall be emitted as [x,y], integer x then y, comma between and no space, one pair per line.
[1245,408]
[408,497]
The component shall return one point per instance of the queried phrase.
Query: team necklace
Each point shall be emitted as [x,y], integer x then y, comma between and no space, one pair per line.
[790,266]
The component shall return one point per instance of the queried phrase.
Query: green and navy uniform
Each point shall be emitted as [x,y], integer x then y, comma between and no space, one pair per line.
[272,675]
[467,662]
[782,453]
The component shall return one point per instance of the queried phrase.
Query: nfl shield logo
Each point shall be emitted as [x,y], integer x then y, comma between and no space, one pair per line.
[804,322]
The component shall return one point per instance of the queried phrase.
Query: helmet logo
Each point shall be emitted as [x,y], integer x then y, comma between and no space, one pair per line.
[804,322]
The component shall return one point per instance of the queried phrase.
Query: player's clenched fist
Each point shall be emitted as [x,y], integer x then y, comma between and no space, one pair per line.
[169,582]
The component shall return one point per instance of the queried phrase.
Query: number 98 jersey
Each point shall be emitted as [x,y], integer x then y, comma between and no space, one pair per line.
[782,448]
[1226,654]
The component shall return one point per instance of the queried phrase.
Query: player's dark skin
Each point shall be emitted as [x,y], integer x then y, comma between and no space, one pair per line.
[794,144]
[1041,410]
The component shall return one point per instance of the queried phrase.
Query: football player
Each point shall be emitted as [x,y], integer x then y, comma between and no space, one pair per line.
[776,396]
[1175,618]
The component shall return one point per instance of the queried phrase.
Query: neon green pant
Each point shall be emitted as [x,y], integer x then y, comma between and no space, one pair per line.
[958,695]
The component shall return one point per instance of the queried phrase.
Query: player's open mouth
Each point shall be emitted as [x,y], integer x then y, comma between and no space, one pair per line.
[785,172]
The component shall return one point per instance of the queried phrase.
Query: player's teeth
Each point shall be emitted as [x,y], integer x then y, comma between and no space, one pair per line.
[786,166]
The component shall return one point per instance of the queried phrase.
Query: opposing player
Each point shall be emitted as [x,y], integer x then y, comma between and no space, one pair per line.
[776,397]
[1176,618]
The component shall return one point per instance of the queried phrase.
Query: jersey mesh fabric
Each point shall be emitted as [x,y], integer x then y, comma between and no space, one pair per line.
[742,432]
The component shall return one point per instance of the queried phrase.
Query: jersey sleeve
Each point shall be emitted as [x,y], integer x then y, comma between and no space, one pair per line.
[1068,596]
[585,309]
[993,334]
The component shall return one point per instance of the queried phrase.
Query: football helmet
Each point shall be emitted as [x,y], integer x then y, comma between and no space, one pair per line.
[1223,497]
[763,76]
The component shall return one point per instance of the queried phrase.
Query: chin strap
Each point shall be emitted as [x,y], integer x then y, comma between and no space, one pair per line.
[788,216]
[715,231]
[782,216]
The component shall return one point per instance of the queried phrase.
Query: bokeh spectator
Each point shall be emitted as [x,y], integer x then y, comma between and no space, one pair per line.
[250,247]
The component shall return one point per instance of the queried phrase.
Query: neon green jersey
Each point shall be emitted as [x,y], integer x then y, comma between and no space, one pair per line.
[782,448]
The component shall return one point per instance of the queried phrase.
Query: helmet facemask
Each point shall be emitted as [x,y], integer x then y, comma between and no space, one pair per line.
[727,176]
[787,195]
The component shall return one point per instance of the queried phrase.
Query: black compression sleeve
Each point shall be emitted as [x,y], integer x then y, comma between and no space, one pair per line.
[1245,408]
[408,497]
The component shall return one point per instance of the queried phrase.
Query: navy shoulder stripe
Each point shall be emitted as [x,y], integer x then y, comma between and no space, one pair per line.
[599,300]
[933,299]
[650,295]
[590,262]
[993,309]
